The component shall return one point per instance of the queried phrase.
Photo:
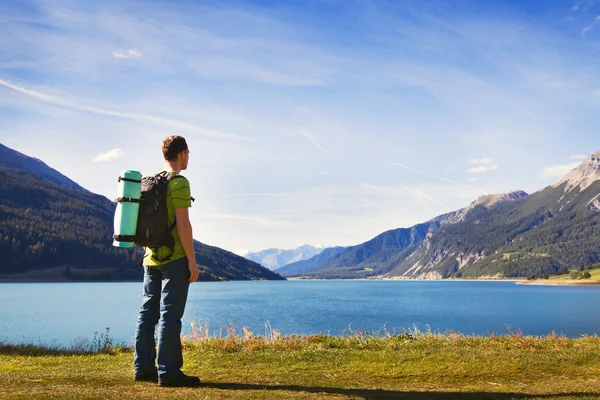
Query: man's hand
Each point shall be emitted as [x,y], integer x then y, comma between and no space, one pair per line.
[194,271]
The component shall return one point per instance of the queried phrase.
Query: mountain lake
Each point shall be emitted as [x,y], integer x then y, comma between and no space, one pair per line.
[68,313]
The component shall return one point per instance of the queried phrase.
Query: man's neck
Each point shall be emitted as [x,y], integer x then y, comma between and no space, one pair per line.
[173,166]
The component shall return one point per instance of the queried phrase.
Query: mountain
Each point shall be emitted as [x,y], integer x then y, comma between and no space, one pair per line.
[308,265]
[10,158]
[218,264]
[51,228]
[506,235]
[276,258]
[378,255]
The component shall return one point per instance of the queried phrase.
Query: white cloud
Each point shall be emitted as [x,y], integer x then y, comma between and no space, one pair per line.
[130,53]
[587,29]
[473,179]
[481,161]
[590,26]
[558,171]
[482,169]
[109,155]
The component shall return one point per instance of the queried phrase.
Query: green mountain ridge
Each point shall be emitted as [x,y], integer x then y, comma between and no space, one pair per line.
[513,235]
[47,223]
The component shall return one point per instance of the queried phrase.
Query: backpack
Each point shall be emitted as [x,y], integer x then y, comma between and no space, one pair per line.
[153,229]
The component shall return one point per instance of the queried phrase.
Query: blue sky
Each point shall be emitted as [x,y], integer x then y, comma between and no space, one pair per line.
[321,122]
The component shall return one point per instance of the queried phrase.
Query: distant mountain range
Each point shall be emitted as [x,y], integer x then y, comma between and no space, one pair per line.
[505,235]
[52,228]
[299,267]
[276,258]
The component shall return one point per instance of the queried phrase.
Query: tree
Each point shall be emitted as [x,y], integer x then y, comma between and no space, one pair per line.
[586,275]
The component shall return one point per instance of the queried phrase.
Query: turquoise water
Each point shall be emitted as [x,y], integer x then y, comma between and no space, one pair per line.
[59,313]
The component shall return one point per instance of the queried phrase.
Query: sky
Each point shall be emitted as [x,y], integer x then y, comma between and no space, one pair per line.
[317,121]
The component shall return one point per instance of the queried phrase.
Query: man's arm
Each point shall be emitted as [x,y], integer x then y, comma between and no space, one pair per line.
[184,229]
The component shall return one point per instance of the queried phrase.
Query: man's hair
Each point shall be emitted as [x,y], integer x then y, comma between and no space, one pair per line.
[172,146]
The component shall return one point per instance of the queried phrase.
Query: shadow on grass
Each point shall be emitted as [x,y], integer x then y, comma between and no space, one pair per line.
[393,394]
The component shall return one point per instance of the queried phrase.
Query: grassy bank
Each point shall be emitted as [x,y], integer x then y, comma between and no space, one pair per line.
[422,366]
[566,280]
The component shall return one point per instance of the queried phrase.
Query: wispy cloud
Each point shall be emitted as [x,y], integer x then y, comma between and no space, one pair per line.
[233,219]
[578,157]
[129,53]
[369,202]
[481,161]
[482,169]
[582,5]
[558,170]
[256,194]
[109,155]
[590,26]
[314,141]
[78,106]
[481,165]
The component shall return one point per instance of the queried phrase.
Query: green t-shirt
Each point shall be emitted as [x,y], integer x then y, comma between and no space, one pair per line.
[178,196]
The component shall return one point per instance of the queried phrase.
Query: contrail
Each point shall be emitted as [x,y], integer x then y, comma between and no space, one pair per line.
[422,173]
[432,176]
[314,141]
[425,196]
[167,122]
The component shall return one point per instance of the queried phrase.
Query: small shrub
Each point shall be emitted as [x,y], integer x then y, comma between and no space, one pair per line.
[586,275]
[574,274]
[531,277]
[102,343]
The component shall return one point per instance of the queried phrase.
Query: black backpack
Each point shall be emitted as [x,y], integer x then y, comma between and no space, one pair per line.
[153,229]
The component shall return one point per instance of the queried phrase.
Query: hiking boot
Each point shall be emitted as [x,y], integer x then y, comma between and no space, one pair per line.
[180,381]
[151,376]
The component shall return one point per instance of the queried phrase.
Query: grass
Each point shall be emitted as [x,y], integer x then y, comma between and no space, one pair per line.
[594,272]
[354,366]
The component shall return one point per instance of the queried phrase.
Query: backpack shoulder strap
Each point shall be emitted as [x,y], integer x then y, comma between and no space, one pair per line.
[173,176]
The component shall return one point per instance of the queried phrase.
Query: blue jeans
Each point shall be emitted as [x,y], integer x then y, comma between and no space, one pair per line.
[169,282]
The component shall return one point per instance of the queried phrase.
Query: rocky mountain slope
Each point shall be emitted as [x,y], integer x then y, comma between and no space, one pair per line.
[509,235]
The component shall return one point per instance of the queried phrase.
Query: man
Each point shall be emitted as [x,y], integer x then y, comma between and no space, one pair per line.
[176,273]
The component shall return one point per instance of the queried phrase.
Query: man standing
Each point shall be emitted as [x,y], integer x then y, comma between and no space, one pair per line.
[168,281]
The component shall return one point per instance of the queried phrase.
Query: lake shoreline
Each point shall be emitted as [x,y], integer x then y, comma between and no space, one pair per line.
[15,279]
[538,282]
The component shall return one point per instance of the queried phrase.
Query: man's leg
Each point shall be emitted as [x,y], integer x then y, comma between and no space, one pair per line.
[145,344]
[174,296]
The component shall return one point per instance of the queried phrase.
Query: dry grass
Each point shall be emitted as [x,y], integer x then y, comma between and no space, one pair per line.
[357,365]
